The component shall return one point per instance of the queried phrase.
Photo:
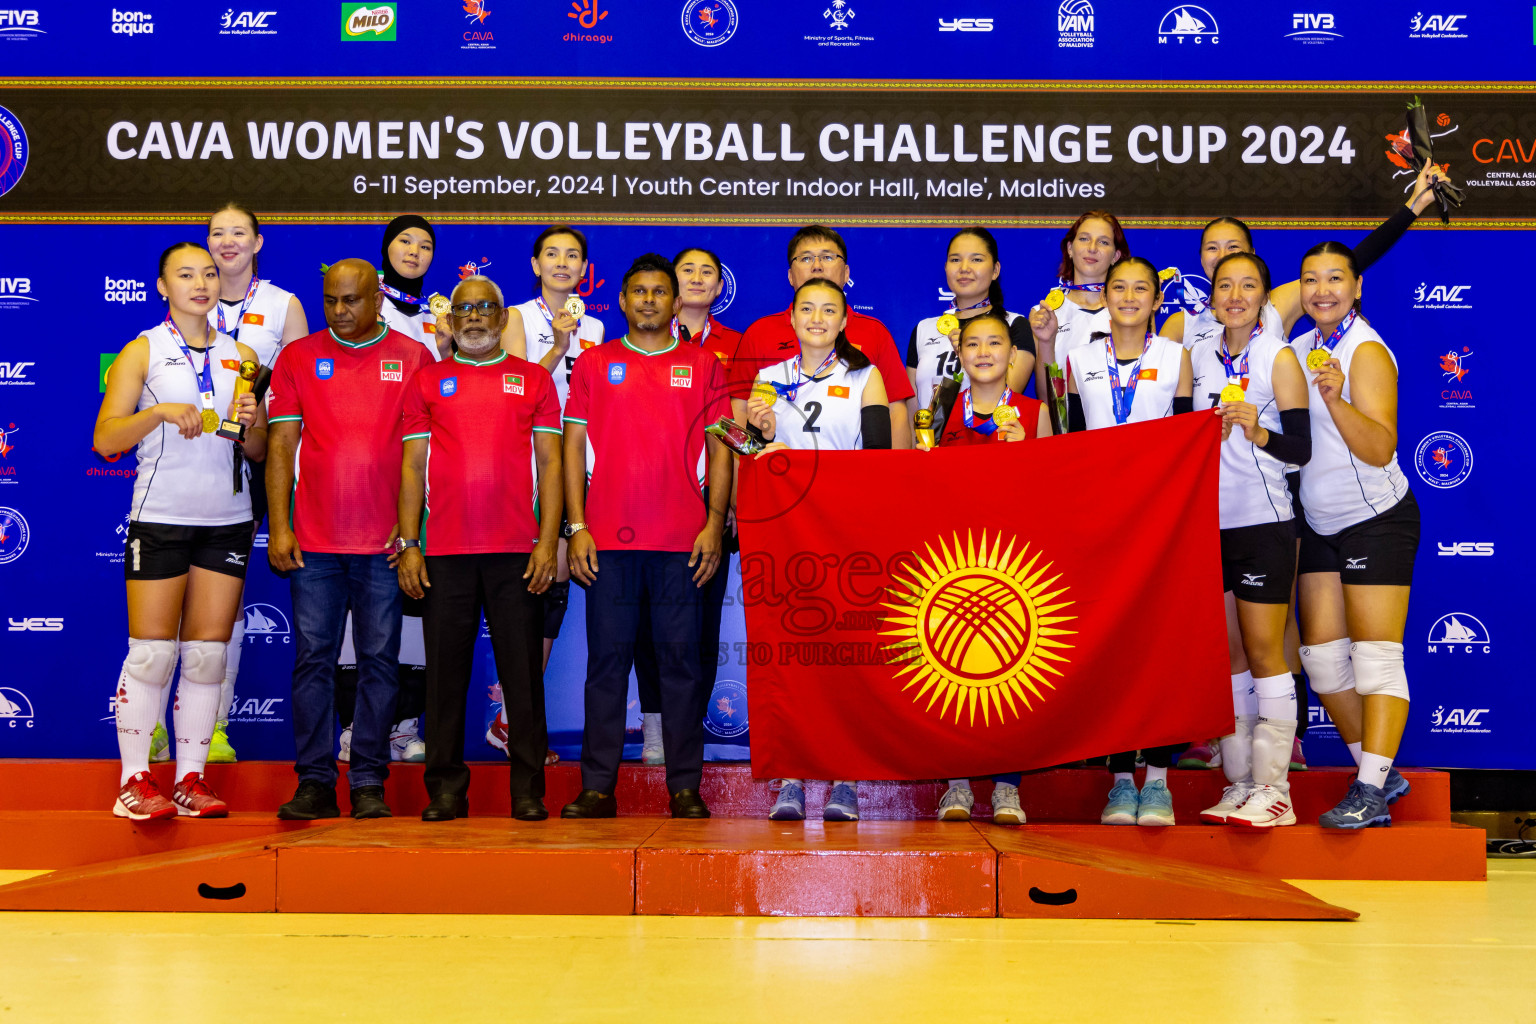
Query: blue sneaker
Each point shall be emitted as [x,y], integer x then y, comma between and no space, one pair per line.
[1396,788]
[1122,806]
[1362,807]
[1156,804]
[790,806]
[842,804]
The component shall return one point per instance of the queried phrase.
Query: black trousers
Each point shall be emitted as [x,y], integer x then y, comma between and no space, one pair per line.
[648,673]
[462,587]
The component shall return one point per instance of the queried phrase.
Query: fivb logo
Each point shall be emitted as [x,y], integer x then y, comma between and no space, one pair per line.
[1313,28]
[20,24]
[16,293]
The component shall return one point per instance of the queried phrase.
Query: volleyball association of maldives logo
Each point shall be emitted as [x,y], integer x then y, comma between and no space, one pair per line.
[978,626]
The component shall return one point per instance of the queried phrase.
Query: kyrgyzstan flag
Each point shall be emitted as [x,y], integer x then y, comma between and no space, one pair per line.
[985,609]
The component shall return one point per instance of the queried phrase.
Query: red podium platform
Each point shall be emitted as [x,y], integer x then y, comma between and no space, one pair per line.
[897,862]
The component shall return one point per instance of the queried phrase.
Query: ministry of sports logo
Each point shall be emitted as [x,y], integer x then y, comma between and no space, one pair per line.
[977,626]
[1459,633]
[1443,459]
[725,716]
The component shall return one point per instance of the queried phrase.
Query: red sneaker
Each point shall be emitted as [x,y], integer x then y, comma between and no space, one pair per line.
[140,799]
[195,800]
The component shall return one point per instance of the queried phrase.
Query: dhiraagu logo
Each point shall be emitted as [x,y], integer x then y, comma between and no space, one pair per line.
[368,22]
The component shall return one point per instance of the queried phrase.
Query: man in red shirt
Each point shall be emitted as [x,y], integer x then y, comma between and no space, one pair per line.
[340,392]
[477,423]
[817,251]
[643,535]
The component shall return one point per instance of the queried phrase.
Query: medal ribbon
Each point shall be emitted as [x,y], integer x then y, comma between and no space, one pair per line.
[984,302]
[1067,286]
[788,391]
[396,293]
[1336,336]
[988,425]
[204,378]
[1124,397]
[250,293]
[701,339]
[1240,371]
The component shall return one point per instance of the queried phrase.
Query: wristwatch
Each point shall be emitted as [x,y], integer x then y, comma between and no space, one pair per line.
[401,544]
[571,529]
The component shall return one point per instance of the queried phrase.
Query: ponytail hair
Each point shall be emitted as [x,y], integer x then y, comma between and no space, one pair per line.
[165,257]
[248,215]
[844,348]
[995,289]
[1124,265]
[1247,234]
[1258,264]
[1332,248]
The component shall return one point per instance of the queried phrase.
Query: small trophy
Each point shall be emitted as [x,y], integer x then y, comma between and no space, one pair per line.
[253,378]
[922,427]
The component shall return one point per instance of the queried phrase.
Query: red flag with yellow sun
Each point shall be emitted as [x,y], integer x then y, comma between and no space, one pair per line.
[986,609]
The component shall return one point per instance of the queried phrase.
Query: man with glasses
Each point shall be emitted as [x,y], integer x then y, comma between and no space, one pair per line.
[818,251]
[486,426]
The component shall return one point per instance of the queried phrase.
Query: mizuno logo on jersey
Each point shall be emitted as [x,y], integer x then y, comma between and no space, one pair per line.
[1095,375]
[837,391]
[1254,579]
[235,558]
[391,369]
[1356,563]
[174,361]
[512,384]
[682,376]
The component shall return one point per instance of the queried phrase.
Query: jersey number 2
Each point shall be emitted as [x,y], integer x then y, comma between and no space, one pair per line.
[810,427]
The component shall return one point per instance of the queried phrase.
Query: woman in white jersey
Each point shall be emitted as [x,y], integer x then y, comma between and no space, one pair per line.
[828,396]
[409,243]
[1359,537]
[972,271]
[1089,248]
[1250,376]
[189,533]
[1127,374]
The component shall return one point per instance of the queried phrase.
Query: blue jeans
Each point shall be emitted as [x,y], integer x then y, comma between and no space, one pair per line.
[322,591]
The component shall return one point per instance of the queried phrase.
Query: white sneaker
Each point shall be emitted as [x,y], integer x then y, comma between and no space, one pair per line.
[1268,807]
[1005,805]
[1232,798]
[405,743]
[957,804]
[344,748]
[651,751]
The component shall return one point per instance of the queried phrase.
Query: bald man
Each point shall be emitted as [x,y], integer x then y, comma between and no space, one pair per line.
[333,531]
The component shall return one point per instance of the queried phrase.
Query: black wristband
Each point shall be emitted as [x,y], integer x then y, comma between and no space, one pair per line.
[1183,404]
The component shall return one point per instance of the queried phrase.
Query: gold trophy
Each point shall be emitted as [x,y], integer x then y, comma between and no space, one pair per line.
[250,373]
[922,426]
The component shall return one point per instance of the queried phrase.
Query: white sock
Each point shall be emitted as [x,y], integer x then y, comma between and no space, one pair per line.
[164,702]
[1155,775]
[1244,700]
[231,668]
[1354,752]
[146,670]
[960,784]
[1373,769]
[1276,697]
[197,703]
[1125,777]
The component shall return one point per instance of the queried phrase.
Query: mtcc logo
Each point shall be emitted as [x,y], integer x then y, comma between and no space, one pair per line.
[15,709]
[266,624]
[1459,633]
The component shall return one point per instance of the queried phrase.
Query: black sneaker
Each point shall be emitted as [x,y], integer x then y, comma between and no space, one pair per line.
[368,802]
[310,801]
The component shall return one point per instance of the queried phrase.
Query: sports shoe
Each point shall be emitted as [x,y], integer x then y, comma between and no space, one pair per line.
[1201,755]
[159,745]
[405,743]
[368,802]
[219,750]
[1231,799]
[496,735]
[651,751]
[310,801]
[1267,807]
[790,806]
[842,804]
[1396,788]
[344,747]
[195,800]
[1156,804]
[1362,807]
[1005,805]
[1298,756]
[956,804]
[1123,802]
[140,799]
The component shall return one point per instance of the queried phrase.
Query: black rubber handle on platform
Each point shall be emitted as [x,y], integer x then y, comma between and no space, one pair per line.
[1052,899]
[234,892]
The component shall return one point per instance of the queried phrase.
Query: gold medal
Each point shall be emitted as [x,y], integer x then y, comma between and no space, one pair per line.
[575,307]
[1054,298]
[1004,415]
[764,391]
[438,304]
[1317,359]
[210,421]
[947,324]
[1168,274]
[1232,393]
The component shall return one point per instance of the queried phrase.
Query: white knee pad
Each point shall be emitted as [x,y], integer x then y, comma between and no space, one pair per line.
[1328,666]
[150,662]
[202,661]
[1379,669]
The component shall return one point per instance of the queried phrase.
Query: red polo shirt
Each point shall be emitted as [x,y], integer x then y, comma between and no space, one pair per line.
[771,340]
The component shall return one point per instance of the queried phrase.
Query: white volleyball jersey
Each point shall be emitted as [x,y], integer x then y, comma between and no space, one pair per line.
[1074,326]
[539,336]
[182,482]
[1337,489]
[421,326]
[260,329]
[1159,379]
[827,413]
[1252,481]
[1203,325]
[934,358]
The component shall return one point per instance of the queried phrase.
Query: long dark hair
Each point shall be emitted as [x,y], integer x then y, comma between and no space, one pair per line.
[844,348]
[1127,262]
[546,235]
[165,257]
[1247,234]
[1251,257]
[248,215]
[995,289]
[991,314]
[1332,248]
[1065,270]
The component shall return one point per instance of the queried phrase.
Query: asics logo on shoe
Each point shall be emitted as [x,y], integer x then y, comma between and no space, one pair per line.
[1254,579]
[235,558]
[1356,563]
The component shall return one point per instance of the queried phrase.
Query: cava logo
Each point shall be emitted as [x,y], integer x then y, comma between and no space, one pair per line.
[1455,394]
[977,626]
[1188,24]
[371,23]
[15,709]
[1459,633]
[476,36]
[1459,720]
[247,23]
[1442,296]
[1074,24]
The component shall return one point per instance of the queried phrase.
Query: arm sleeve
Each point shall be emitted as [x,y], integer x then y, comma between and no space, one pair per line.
[546,414]
[578,399]
[1075,419]
[1183,404]
[1023,337]
[1375,245]
[283,396]
[875,424]
[1292,444]
[912,350]
[415,421]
